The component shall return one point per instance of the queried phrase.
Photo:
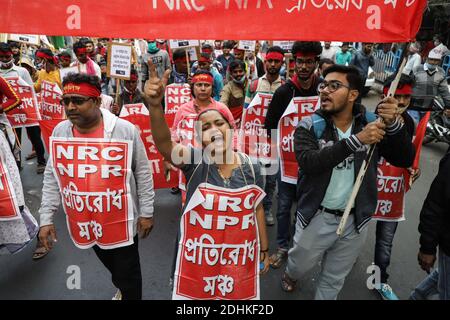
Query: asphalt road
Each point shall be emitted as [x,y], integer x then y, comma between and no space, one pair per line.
[22,278]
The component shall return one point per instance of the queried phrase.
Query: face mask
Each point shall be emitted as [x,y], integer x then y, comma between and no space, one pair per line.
[239,81]
[430,67]
[152,48]
[7,65]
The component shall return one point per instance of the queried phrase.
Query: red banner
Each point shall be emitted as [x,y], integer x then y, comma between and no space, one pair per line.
[175,96]
[393,182]
[27,114]
[9,208]
[94,180]
[51,107]
[139,115]
[298,108]
[47,127]
[371,20]
[253,138]
[218,254]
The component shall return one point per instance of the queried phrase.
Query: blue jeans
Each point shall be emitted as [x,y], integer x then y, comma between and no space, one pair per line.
[437,281]
[269,189]
[286,196]
[383,246]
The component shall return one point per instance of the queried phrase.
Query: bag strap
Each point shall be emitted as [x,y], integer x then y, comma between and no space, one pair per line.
[319,122]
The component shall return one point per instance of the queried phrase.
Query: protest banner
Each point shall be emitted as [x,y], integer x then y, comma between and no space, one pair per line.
[25,38]
[298,108]
[27,114]
[218,252]
[247,45]
[394,182]
[180,44]
[51,107]
[47,126]
[139,115]
[94,180]
[371,20]
[9,208]
[119,60]
[285,45]
[176,95]
[253,138]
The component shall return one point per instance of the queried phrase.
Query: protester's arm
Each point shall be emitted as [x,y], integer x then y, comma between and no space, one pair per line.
[153,94]
[51,197]
[434,209]
[25,75]
[225,95]
[444,93]
[12,99]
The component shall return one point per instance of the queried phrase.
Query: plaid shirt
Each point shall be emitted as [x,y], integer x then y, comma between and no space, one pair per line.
[430,84]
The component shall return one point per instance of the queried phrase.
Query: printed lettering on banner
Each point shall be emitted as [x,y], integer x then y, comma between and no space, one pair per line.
[218,254]
[175,96]
[51,107]
[94,181]
[298,108]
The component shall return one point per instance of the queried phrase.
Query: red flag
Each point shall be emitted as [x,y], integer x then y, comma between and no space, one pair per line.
[371,20]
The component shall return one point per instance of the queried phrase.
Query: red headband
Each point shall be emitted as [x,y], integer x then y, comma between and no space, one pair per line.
[274,56]
[207,50]
[133,77]
[9,53]
[305,55]
[80,50]
[205,78]
[43,55]
[65,58]
[404,90]
[203,59]
[292,65]
[83,89]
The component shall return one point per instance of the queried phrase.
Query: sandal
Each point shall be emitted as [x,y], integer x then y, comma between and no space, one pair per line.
[288,284]
[276,259]
[40,252]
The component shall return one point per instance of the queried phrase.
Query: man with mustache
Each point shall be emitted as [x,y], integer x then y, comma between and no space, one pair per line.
[330,147]
[116,245]
[303,84]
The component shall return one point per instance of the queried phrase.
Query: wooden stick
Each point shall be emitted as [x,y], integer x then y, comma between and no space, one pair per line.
[117,90]
[370,152]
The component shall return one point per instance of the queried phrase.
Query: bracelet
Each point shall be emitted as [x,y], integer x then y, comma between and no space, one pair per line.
[264,250]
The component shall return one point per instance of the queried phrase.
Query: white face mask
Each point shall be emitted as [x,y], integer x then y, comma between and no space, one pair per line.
[7,65]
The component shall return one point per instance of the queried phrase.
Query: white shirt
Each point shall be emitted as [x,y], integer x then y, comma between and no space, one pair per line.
[107,102]
[328,54]
[413,62]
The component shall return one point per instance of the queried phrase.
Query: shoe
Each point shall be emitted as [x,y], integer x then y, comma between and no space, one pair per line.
[270,221]
[386,292]
[40,168]
[175,190]
[118,295]
[277,259]
[40,252]
[32,155]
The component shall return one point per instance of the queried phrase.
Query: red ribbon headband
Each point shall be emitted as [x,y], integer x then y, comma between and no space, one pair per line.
[43,55]
[274,56]
[83,89]
[80,50]
[205,78]
[405,90]
[133,77]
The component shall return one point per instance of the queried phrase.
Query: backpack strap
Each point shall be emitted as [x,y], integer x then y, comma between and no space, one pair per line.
[319,122]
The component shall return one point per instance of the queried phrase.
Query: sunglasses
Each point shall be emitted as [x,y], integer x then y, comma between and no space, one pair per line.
[75,100]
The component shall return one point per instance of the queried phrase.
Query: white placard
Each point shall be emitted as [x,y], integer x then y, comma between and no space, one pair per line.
[285,45]
[178,44]
[247,45]
[119,61]
[25,38]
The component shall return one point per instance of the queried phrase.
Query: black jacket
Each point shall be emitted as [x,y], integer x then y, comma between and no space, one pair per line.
[318,157]
[434,226]
[281,99]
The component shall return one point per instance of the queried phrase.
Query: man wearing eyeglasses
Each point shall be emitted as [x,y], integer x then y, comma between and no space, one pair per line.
[302,84]
[99,168]
[330,147]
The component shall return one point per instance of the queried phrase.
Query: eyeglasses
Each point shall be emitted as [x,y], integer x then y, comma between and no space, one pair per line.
[308,62]
[75,100]
[332,86]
